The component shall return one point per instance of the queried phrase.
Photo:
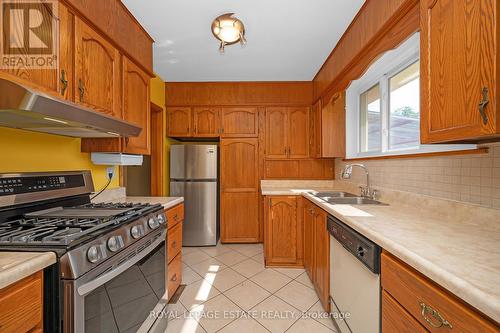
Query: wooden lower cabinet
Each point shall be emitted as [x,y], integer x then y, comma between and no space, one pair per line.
[21,305]
[175,216]
[423,303]
[282,231]
[321,266]
[239,217]
[395,319]
[308,212]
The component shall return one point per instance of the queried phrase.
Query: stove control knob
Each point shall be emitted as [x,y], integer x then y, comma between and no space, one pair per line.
[136,231]
[115,243]
[153,223]
[161,218]
[94,254]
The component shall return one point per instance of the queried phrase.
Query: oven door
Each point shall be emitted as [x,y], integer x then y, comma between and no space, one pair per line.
[119,295]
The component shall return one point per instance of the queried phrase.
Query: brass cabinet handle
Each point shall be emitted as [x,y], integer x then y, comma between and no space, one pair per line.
[174,244]
[174,277]
[439,319]
[81,89]
[482,105]
[64,82]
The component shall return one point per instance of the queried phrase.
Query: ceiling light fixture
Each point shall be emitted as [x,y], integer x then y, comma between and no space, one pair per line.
[229,30]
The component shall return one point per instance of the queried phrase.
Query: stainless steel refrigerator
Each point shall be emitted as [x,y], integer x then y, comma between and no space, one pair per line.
[194,175]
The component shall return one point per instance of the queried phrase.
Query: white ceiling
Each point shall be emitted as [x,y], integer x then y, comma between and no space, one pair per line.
[288,40]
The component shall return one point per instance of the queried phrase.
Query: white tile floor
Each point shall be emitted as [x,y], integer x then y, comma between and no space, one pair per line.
[229,290]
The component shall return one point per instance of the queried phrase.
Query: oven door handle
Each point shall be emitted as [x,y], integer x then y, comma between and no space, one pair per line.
[90,286]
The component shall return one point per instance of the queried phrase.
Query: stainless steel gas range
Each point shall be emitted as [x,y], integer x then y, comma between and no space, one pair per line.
[111,269]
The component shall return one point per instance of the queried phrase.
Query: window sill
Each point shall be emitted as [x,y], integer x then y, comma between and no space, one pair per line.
[422,154]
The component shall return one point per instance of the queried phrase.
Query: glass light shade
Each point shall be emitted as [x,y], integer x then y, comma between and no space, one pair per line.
[228,29]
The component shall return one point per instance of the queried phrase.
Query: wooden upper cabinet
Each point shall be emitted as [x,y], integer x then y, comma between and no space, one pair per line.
[287,132]
[179,122]
[239,190]
[50,80]
[298,133]
[276,132]
[240,122]
[136,107]
[458,61]
[329,126]
[206,122]
[97,71]
[281,236]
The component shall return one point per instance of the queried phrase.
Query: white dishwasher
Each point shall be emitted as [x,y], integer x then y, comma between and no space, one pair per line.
[354,279]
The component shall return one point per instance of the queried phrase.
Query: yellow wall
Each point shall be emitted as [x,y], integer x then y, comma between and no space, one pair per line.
[158,97]
[24,151]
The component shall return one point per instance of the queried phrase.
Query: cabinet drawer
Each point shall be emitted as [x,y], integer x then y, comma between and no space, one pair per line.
[395,319]
[21,305]
[174,241]
[429,303]
[174,275]
[175,215]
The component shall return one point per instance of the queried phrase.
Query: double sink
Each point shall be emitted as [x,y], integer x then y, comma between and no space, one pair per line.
[344,198]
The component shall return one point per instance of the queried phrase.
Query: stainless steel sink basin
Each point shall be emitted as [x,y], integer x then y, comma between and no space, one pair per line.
[324,195]
[353,201]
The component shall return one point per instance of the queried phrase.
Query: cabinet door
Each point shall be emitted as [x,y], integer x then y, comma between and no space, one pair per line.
[206,122]
[332,131]
[97,71]
[239,190]
[321,258]
[280,239]
[179,122]
[43,79]
[309,239]
[457,61]
[298,129]
[276,132]
[136,107]
[240,122]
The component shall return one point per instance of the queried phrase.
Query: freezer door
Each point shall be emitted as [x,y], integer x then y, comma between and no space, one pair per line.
[200,212]
[177,161]
[201,161]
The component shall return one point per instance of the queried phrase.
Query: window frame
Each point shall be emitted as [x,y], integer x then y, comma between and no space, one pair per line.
[380,72]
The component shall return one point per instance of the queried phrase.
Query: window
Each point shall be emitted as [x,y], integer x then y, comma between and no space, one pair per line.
[383,107]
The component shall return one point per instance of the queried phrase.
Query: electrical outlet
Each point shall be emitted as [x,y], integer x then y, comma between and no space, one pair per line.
[110,171]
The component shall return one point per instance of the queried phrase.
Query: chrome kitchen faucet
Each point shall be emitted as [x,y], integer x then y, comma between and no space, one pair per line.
[366,191]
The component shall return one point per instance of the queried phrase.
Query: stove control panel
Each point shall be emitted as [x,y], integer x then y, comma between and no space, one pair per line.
[27,184]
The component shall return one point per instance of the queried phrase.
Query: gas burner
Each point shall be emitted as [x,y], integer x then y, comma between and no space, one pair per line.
[66,225]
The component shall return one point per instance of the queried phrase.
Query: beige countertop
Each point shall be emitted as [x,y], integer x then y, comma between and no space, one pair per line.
[167,202]
[15,266]
[119,195]
[454,244]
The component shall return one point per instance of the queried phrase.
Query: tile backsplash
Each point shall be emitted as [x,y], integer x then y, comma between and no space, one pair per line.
[468,178]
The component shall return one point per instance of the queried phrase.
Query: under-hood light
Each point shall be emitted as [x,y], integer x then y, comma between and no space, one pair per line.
[55,120]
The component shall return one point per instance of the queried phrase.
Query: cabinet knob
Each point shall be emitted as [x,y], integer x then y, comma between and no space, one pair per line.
[64,82]
[174,278]
[482,105]
[81,89]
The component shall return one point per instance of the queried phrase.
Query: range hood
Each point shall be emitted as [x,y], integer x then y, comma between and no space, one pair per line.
[26,109]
